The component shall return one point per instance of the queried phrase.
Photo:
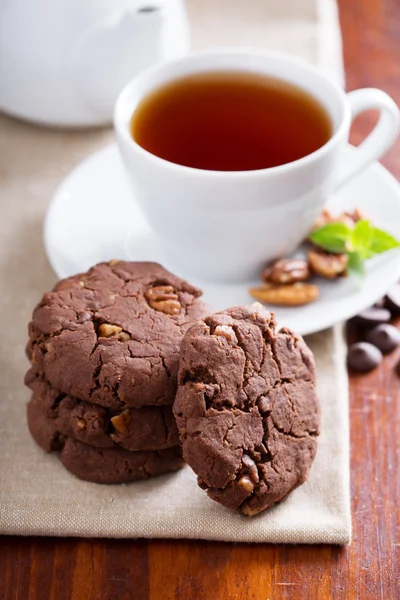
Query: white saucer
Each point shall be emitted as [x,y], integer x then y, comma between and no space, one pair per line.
[94,217]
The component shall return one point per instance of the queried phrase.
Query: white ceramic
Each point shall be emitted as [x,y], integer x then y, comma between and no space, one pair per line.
[226,225]
[119,230]
[63,62]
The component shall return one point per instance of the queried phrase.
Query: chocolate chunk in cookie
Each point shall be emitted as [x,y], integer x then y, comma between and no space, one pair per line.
[112,336]
[145,428]
[246,408]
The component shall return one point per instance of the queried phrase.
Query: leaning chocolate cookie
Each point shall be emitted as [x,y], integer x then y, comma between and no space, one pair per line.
[112,335]
[246,408]
[144,428]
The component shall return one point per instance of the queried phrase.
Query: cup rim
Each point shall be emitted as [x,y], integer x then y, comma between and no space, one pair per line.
[126,93]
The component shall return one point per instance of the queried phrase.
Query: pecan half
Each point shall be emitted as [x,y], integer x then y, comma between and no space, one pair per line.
[294,294]
[115,331]
[227,332]
[348,217]
[106,330]
[287,270]
[246,484]
[326,264]
[121,422]
[250,468]
[164,299]
[124,337]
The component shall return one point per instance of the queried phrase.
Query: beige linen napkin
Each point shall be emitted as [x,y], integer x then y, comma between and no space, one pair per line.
[37,496]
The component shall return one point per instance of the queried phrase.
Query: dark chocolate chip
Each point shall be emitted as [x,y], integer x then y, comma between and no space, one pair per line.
[398,368]
[363,357]
[385,337]
[392,300]
[372,316]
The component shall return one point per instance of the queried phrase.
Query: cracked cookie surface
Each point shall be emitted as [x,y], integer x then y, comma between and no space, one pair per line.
[101,465]
[112,336]
[246,408]
[145,428]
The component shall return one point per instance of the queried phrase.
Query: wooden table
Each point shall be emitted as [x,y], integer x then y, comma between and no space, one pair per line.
[64,569]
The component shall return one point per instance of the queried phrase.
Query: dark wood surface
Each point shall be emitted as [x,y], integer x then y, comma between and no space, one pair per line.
[64,569]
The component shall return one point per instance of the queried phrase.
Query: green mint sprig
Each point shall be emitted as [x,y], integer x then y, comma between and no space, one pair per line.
[359,242]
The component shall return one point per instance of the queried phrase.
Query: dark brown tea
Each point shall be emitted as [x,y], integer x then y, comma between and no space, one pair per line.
[230,122]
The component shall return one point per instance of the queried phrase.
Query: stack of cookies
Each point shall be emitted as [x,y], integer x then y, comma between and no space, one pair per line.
[104,350]
[113,349]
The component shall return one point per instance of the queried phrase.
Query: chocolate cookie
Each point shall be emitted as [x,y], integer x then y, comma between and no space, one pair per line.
[112,335]
[246,408]
[116,465]
[145,428]
[101,465]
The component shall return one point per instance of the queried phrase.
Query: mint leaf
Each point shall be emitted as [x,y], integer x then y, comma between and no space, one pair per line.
[355,266]
[382,241]
[368,240]
[361,238]
[333,237]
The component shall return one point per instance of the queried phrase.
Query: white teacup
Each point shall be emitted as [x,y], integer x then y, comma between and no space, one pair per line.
[227,225]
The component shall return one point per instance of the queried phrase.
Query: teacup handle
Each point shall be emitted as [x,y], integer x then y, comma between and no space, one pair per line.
[381,137]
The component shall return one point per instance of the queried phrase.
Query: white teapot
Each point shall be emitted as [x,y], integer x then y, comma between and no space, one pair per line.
[63,62]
